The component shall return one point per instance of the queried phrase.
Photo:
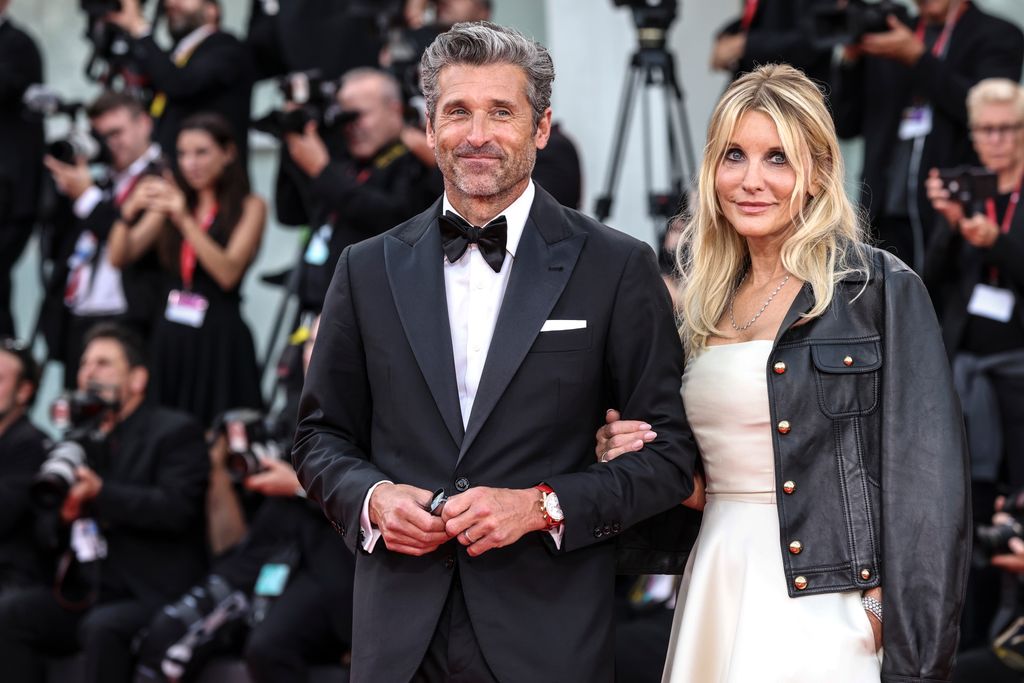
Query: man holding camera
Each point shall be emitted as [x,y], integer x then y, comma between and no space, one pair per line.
[21,140]
[22,451]
[134,515]
[904,90]
[208,69]
[85,287]
[380,185]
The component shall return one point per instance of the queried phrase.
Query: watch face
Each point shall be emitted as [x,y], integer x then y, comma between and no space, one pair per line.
[552,507]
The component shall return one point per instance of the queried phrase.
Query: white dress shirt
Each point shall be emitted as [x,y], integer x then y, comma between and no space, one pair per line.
[473,292]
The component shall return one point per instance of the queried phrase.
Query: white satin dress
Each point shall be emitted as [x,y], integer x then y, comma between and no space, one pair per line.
[734,620]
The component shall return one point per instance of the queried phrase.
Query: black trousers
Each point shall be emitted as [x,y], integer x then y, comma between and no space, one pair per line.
[454,655]
[13,239]
[33,625]
[299,630]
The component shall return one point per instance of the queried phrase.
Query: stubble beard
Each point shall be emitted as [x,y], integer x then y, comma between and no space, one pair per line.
[493,186]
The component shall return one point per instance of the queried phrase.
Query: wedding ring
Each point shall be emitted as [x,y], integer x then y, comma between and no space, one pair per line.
[466,534]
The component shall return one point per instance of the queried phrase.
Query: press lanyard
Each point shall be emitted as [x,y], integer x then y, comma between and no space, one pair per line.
[749,12]
[129,186]
[939,48]
[188,252]
[1004,227]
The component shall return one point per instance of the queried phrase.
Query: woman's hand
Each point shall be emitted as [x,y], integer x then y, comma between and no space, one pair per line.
[938,195]
[170,200]
[979,231]
[619,436]
[876,625]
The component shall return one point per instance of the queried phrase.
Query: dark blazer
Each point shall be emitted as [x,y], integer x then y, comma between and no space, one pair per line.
[870,96]
[217,78]
[151,506]
[953,267]
[381,402]
[22,451]
[21,139]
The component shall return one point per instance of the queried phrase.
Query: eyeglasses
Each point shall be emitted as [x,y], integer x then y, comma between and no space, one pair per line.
[998,132]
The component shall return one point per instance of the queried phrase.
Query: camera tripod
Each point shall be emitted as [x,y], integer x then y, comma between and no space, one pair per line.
[652,66]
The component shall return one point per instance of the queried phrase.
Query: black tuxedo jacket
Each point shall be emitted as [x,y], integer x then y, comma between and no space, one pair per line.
[380,402]
[21,138]
[871,94]
[217,78]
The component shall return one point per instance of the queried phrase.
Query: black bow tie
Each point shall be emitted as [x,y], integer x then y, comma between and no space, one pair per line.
[457,235]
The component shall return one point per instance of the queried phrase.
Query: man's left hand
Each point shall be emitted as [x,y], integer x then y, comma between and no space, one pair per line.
[898,43]
[727,51]
[86,487]
[484,518]
[129,18]
[278,478]
[308,150]
[71,179]
[979,231]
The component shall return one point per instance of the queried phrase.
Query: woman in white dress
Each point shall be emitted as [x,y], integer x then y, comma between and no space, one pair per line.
[818,392]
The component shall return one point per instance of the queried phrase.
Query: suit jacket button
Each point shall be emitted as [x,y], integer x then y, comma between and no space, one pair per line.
[362,536]
[800,583]
[462,483]
[607,529]
[784,427]
[616,528]
[597,532]
[449,561]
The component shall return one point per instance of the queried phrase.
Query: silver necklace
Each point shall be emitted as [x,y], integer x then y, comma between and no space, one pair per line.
[732,301]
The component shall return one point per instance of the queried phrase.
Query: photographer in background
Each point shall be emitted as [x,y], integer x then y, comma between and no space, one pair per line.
[134,514]
[904,90]
[85,288]
[975,273]
[22,451]
[21,161]
[379,186]
[207,70]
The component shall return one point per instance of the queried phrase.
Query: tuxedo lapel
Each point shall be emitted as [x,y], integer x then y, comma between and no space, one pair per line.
[544,261]
[414,263]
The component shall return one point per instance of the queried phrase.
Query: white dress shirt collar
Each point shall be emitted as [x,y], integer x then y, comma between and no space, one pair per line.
[515,215]
[139,165]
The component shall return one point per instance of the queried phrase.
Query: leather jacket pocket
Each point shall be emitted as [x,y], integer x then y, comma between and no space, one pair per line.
[847,377]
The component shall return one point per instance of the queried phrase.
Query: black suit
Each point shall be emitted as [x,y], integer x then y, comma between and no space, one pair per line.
[381,403]
[871,94]
[150,510]
[217,78]
[21,164]
[22,451]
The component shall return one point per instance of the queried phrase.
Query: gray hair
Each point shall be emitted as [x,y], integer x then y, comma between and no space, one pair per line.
[481,43]
[390,89]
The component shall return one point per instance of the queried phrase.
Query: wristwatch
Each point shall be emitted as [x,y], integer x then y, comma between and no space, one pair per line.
[549,507]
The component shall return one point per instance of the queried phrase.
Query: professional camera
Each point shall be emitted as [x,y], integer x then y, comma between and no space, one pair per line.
[78,414]
[994,539]
[970,186]
[111,46]
[250,437]
[42,101]
[847,23]
[314,97]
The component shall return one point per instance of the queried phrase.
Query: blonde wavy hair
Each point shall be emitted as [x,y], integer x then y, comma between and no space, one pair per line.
[826,243]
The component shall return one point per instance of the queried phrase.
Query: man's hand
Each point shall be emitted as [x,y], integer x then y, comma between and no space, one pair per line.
[278,478]
[898,43]
[938,195]
[484,518]
[86,487]
[71,179]
[398,510]
[979,231]
[308,150]
[129,18]
[727,51]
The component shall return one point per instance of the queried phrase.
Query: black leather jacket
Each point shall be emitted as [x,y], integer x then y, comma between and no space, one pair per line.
[871,467]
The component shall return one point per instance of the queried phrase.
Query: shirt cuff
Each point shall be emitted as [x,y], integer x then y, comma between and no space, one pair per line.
[87,201]
[371,534]
[556,535]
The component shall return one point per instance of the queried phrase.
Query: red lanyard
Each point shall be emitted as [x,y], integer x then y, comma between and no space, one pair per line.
[749,12]
[129,186]
[1011,208]
[938,49]
[188,252]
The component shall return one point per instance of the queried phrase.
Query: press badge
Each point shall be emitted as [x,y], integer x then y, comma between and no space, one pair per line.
[916,122]
[87,542]
[318,248]
[991,302]
[186,308]
[272,580]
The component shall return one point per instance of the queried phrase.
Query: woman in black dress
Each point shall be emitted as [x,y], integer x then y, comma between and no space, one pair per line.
[206,227]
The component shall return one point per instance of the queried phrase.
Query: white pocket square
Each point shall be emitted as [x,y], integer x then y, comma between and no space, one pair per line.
[562,325]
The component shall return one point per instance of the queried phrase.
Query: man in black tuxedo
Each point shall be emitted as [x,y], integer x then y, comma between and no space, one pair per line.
[207,70]
[21,140]
[905,91]
[85,288]
[479,361]
[142,490]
